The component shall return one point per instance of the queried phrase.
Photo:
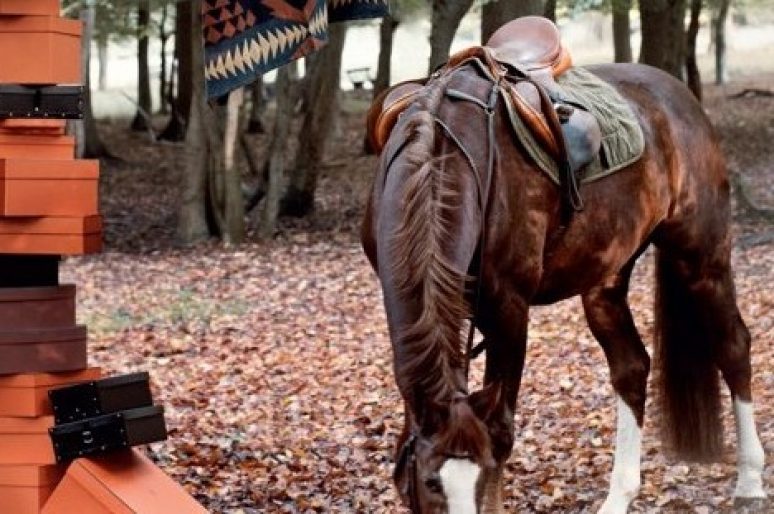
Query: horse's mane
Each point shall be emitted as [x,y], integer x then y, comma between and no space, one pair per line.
[431,354]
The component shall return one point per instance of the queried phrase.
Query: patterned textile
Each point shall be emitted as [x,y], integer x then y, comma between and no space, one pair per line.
[246,38]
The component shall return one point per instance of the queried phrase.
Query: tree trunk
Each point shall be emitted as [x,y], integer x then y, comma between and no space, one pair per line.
[622,30]
[102,59]
[255,123]
[663,35]
[386,35]
[233,210]
[144,104]
[287,93]
[181,103]
[550,10]
[163,37]
[446,17]
[721,74]
[192,221]
[89,143]
[317,126]
[692,75]
[497,13]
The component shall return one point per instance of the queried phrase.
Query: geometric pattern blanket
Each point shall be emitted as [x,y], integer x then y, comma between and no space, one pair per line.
[246,38]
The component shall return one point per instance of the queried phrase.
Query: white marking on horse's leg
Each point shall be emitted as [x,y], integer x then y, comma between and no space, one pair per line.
[749,453]
[625,480]
[459,478]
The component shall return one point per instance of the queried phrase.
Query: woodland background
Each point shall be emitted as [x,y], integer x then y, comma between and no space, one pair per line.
[239,283]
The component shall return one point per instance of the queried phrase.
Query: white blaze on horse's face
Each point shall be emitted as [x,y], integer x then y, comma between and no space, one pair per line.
[459,478]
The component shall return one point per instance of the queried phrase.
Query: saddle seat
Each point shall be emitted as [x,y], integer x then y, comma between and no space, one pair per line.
[532,44]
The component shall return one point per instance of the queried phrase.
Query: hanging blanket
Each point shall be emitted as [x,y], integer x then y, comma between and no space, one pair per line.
[247,38]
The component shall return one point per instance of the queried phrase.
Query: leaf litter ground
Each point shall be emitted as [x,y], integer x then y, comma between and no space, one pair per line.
[274,365]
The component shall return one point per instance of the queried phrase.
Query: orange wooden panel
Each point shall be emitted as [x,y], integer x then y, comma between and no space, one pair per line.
[51,235]
[40,50]
[26,395]
[24,499]
[48,188]
[41,7]
[38,147]
[26,441]
[124,482]
[32,126]
[30,475]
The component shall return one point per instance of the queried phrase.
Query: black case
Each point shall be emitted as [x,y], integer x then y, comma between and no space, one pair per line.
[109,432]
[60,102]
[104,396]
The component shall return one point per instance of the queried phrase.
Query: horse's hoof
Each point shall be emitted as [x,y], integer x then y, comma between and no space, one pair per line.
[751,505]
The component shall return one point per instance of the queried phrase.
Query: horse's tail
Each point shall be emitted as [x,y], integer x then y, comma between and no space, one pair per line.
[422,273]
[687,376]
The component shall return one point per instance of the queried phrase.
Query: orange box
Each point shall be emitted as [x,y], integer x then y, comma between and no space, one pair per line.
[40,49]
[32,126]
[26,395]
[27,146]
[48,188]
[51,235]
[41,7]
[124,482]
[26,441]
[25,489]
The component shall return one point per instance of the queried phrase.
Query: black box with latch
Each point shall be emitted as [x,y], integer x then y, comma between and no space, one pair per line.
[109,432]
[57,102]
[104,396]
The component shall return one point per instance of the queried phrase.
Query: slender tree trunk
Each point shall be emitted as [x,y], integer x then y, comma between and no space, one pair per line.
[255,123]
[386,36]
[692,75]
[192,221]
[317,126]
[140,122]
[721,75]
[622,41]
[550,10]
[233,213]
[446,17]
[102,58]
[497,13]
[287,95]
[181,103]
[89,144]
[163,38]
[663,35]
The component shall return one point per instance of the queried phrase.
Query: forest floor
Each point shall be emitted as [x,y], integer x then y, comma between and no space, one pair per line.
[273,362]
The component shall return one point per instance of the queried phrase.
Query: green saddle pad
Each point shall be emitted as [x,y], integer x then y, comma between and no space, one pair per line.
[622,138]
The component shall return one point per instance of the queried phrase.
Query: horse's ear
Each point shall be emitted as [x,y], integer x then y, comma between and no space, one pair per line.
[485,402]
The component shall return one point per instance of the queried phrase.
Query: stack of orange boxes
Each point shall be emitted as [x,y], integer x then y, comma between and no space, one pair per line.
[48,208]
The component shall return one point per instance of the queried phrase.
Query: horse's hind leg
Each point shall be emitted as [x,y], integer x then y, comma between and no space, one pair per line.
[610,320]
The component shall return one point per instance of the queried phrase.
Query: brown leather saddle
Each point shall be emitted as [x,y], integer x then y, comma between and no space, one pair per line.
[525,55]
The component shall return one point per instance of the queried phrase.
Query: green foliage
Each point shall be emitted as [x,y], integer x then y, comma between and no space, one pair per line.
[116,20]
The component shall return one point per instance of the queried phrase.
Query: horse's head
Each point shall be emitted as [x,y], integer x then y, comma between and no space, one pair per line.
[443,465]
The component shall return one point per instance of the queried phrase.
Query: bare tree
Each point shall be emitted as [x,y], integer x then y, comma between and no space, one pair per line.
[622,30]
[721,74]
[446,17]
[89,142]
[498,12]
[181,102]
[321,111]
[663,35]
[144,105]
[192,220]
[692,75]
[386,35]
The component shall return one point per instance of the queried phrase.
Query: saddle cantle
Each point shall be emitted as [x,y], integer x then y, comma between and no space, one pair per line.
[532,43]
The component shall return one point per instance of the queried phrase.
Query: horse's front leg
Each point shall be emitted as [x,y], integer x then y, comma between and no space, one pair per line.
[506,333]
[610,320]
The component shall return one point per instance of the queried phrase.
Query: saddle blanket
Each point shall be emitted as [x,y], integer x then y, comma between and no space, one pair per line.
[622,139]
[246,38]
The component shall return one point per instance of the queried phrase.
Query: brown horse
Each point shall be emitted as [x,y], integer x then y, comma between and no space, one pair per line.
[448,241]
